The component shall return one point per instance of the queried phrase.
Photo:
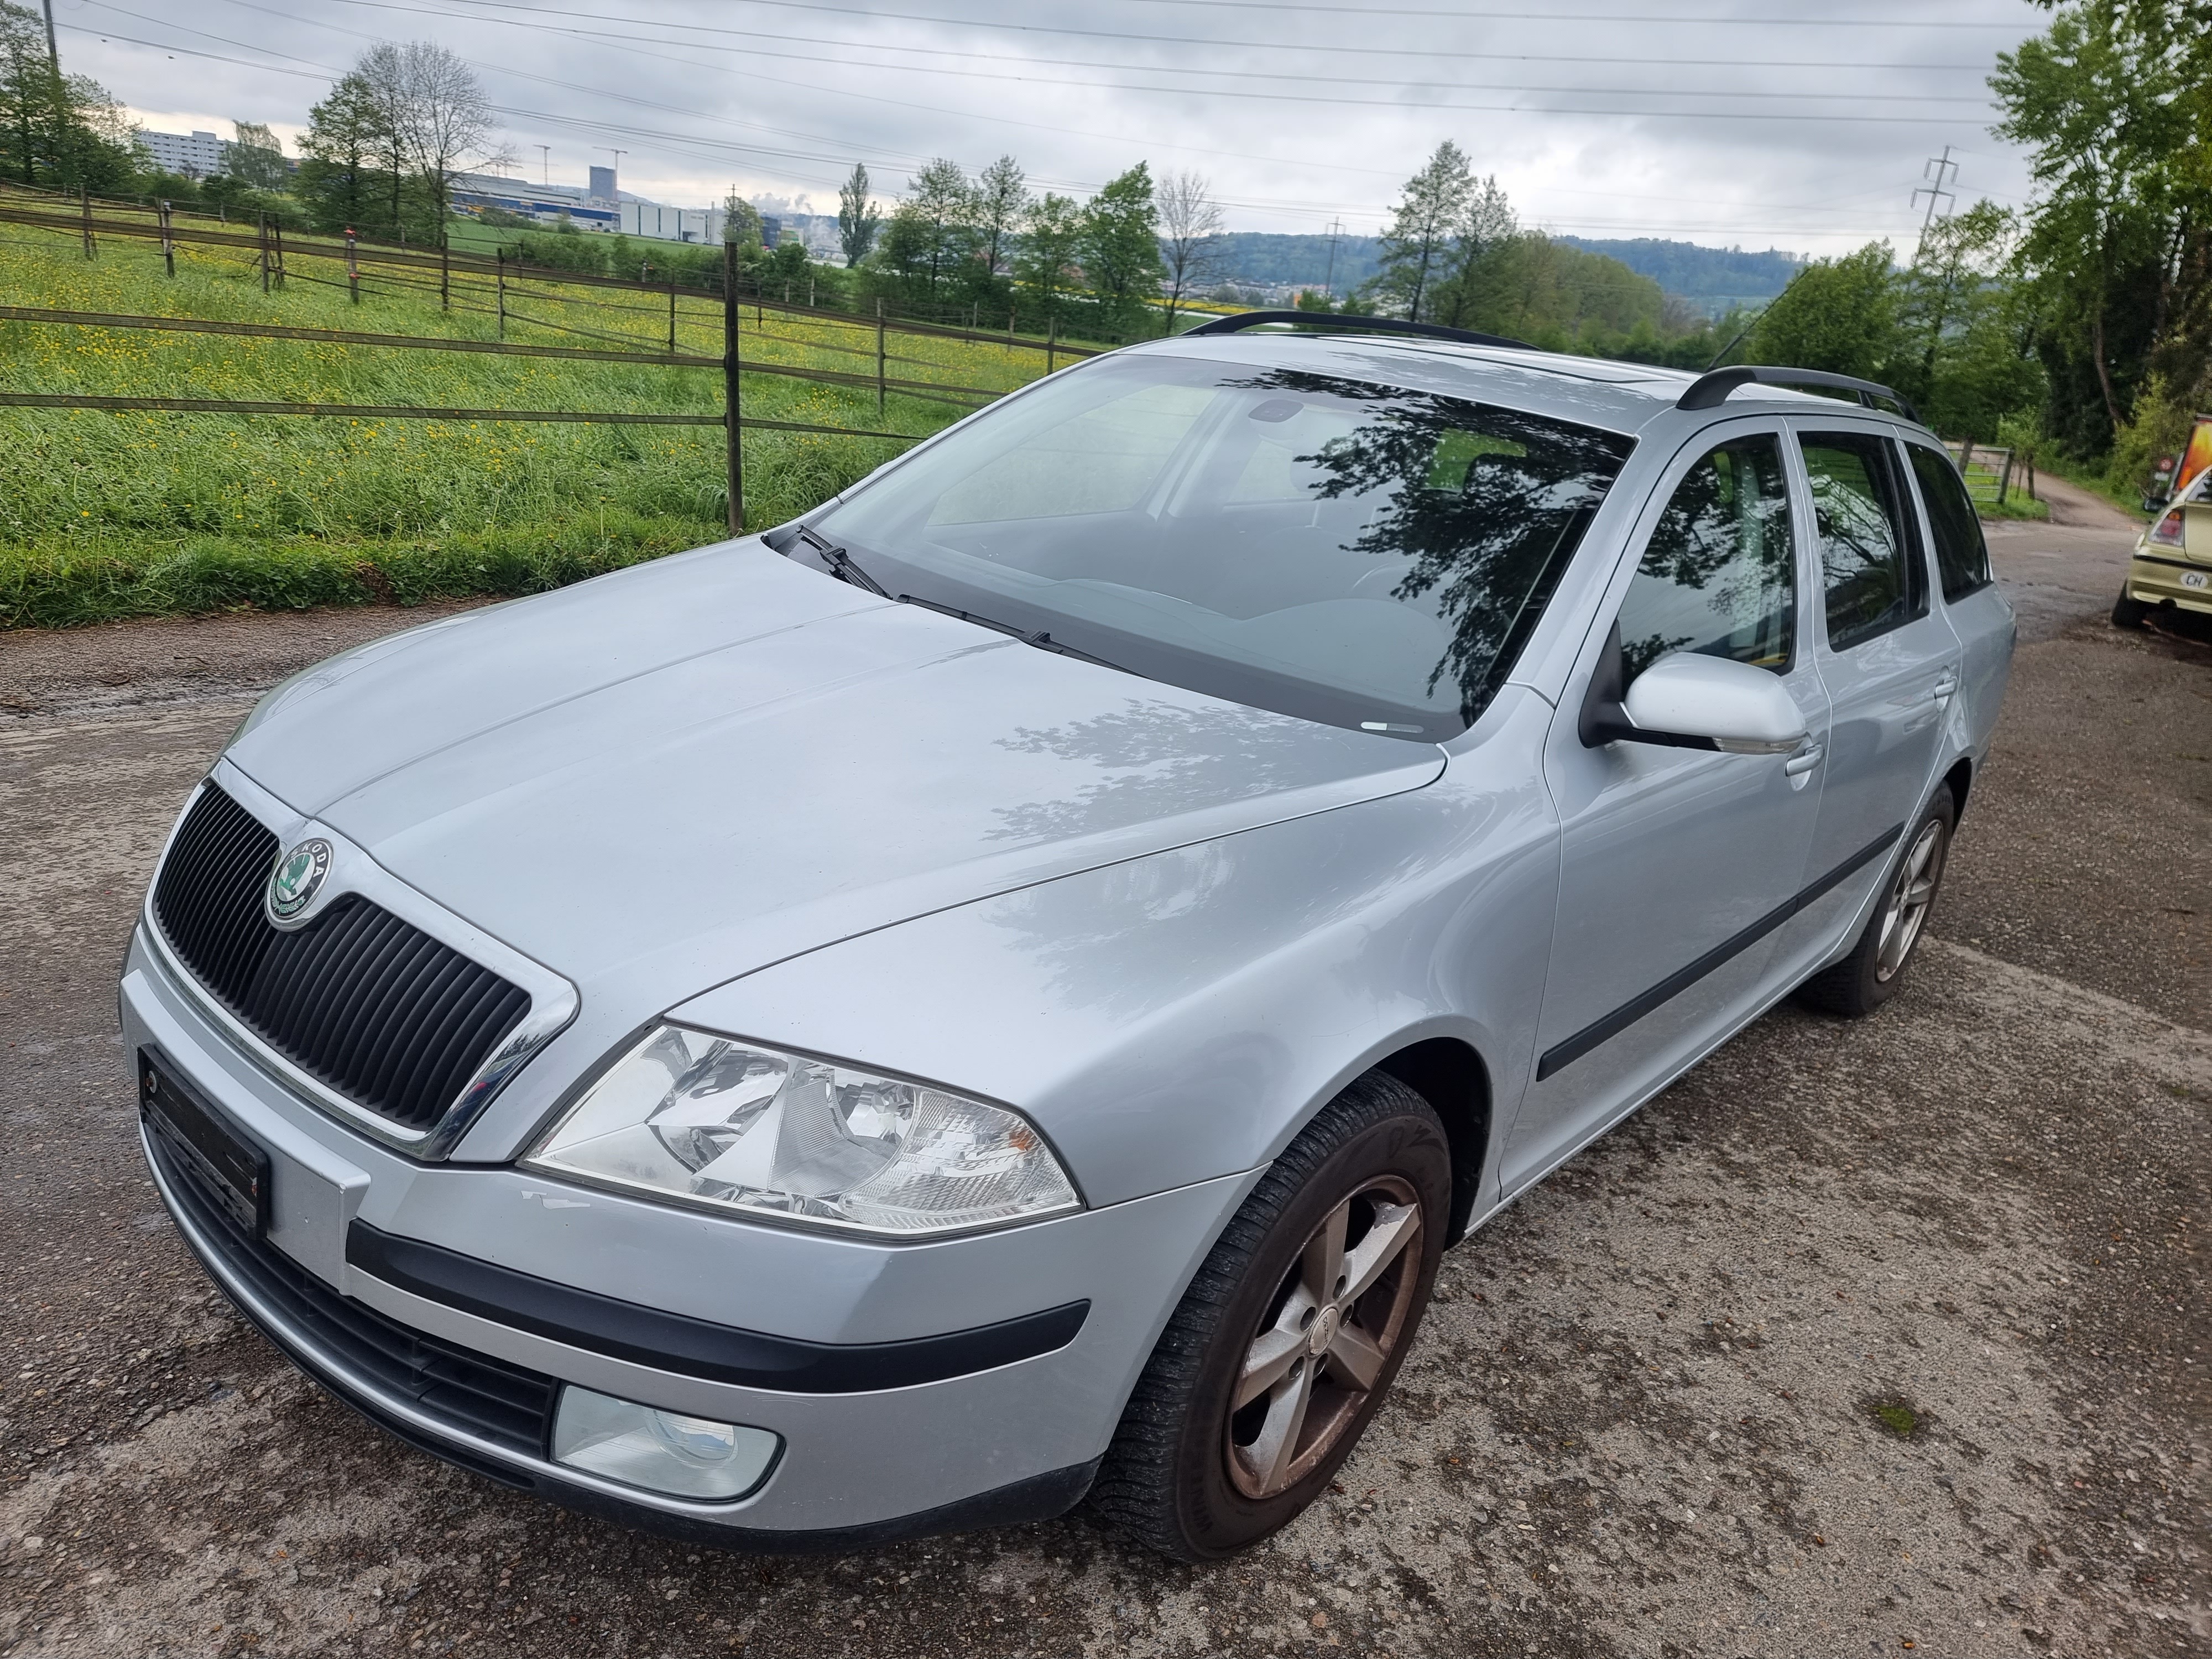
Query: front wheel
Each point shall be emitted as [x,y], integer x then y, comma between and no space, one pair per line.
[1871,975]
[1285,1343]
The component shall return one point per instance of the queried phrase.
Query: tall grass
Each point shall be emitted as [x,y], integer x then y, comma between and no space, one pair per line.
[106,515]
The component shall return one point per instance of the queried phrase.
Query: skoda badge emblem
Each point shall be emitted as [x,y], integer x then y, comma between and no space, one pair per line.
[298,878]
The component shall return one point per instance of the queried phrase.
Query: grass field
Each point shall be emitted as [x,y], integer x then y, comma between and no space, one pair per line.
[106,515]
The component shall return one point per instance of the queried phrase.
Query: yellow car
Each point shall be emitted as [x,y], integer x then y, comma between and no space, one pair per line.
[2172,562]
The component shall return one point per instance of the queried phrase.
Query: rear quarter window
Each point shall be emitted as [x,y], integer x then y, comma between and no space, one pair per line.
[1962,557]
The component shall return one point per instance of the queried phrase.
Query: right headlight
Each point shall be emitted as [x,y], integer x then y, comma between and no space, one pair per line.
[731,1126]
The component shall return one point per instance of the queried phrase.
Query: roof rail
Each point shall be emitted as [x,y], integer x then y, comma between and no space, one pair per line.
[1238,323]
[1710,389]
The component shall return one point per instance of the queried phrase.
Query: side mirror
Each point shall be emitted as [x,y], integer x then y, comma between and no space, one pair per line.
[1685,701]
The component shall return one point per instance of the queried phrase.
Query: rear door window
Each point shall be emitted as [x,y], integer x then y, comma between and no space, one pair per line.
[1962,557]
[1871,565]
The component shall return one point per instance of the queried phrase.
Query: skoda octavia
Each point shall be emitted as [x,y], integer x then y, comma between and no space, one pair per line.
[1003,990]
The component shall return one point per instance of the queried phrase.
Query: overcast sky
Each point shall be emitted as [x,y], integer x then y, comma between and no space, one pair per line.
[1762,123]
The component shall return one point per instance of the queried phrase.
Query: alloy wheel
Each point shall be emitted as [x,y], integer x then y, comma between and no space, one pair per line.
[1327,1340]
[1909,895]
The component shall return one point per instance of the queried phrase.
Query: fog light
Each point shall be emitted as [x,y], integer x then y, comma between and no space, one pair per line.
[661,1451]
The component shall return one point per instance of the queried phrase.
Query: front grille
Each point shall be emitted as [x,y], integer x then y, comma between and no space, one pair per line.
[370,1006]
[470,1392]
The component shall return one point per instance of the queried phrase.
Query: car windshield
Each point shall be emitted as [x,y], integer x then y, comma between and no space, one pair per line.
[1356,554]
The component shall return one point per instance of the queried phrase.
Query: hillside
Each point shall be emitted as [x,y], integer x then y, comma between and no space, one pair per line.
[1710,278]
[1252,256]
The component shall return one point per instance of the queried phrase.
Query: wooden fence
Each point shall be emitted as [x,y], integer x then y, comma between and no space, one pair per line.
[513,294]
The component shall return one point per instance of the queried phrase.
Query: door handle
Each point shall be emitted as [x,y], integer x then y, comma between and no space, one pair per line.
[1804,760]
[1944,688]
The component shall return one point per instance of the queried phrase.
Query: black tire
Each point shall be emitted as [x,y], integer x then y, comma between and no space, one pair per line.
[2129,613]
[1868,977]
[1168,1480]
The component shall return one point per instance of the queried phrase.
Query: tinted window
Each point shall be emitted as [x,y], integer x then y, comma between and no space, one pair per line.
[1869,567]
[1720,574]
[1962,557]
[1351,553]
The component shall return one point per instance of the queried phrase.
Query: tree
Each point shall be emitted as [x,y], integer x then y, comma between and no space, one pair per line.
[938,212]
[1044,266]
[1119,248]
[340,177]
[446,122]
[255,157]
[741,222]
[997,206]
[382,73]
[857,218]
[1427,220]
[1190,236]
[1487,226]
[1838,314]
[58,131]
[2112,104]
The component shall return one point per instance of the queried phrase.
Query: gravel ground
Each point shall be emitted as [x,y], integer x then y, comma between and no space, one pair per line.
[1865,1338]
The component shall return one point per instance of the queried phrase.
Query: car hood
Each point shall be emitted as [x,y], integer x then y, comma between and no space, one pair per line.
[673,776]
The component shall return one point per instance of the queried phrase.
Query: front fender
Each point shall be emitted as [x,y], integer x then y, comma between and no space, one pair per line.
[1181,1016]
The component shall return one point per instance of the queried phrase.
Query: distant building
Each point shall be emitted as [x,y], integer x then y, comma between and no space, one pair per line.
[602,187]
[191,154]
[544,205]
[670,224]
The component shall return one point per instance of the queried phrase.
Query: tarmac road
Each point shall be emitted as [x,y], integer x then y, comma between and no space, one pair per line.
[1864,1338]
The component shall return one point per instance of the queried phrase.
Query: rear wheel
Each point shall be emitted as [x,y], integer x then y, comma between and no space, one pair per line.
[1871,975]
[2129,613]
[1285,1344]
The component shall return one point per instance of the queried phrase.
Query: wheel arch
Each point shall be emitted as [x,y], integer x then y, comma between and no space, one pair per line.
[1957,781]
[1449,1074]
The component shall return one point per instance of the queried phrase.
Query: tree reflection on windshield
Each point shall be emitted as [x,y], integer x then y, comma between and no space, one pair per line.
[1332,548]
[1488,503]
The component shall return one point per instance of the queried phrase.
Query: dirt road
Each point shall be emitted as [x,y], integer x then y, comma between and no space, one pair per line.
[1864,1338]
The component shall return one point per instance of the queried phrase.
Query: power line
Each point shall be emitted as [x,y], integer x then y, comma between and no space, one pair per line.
[1332,50]
[816,57]
[1338,12]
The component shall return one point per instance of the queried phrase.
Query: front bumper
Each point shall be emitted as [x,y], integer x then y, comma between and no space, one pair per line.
[2182,583]
[1013,1441]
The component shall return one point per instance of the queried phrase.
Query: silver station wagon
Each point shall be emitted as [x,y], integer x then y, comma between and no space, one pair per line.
[1002,991]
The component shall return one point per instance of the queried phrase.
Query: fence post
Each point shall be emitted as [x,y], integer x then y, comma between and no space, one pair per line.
[168,242]
[733,421]
[444,272]
[261,232]
[84,198]
[1051,344]
[276,234]
[879,357]
[500,259]
[353,265]
[2004,479]
[671,316]
[1965,456]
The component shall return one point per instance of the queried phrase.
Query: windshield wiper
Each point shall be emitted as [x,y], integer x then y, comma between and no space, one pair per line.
[842,564]
[1041,640]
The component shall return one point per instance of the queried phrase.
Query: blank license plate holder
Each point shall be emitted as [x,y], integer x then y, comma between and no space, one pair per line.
[229,1167]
